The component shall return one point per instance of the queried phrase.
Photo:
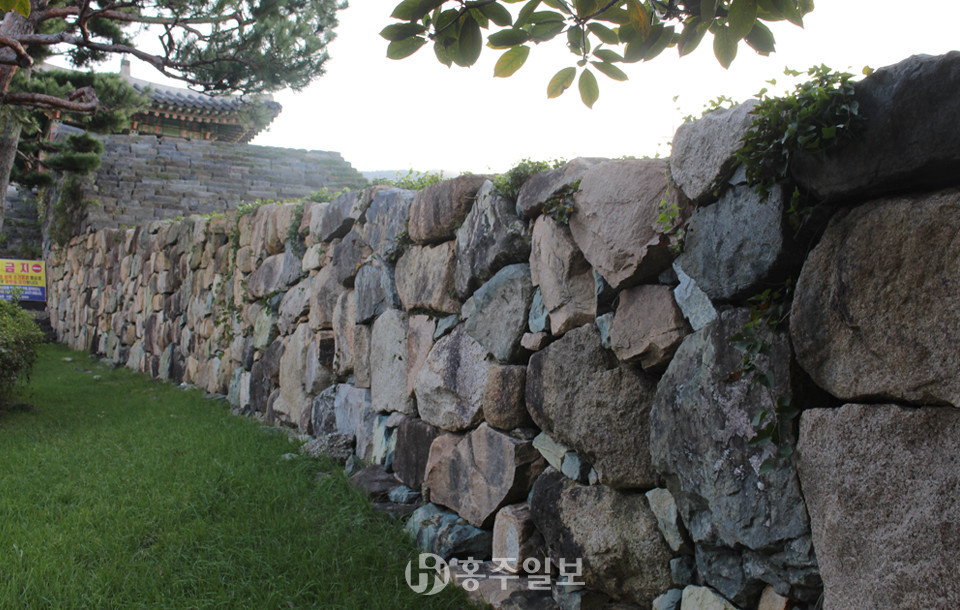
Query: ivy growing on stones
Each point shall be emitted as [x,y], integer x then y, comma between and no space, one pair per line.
[510,182]
[669,222]
[561,206]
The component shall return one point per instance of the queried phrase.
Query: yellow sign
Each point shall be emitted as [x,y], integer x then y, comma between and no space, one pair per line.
[29,277]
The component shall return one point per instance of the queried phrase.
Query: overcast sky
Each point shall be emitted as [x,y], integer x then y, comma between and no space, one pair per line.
[416,113]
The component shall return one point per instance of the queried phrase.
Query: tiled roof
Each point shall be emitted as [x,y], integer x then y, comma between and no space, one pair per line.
[193,100]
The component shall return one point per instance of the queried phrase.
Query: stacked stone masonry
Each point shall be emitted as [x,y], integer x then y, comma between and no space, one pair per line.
[529,390]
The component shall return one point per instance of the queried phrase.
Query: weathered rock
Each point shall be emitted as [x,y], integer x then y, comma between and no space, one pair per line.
[665,509]
[424,277]
[543,187]
[420,330]
[551,450]
[443,533]
[499,312]
[563,275]
[502,399]
[693,302]
[703,150]
[613,533]
[875,314]
[907,141]
[682,570]
[438,210]
[344,319]
[491,237]
[481,472]
[515,537]
[739,243]
[318,368]
[881,485]
[669,600]
[615,223]
[361,355]
[771,600]
[275,274]
[414,437]
[386,221]
[578,394]
[376,290]
[452,382]
[324,414]
[334,446]
[338,216]
[749,529]
[355,416]
[323,300]
[348,255]
[265,376]
[703,598]
[539,317]
[294,405]
[388,380]
[295,303]
[375,483]
[648,326]
[534,342]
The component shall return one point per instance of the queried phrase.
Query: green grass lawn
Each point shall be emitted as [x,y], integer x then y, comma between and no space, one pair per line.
[119,491]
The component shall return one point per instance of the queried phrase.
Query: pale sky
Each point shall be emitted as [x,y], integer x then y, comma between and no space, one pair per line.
[415,113]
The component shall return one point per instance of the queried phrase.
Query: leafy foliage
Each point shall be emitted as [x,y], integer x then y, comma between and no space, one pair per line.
[601,34]
[413,180]
[19,341]
[325,194]
[670,223]
[510,182]
[821,114]
[561,206]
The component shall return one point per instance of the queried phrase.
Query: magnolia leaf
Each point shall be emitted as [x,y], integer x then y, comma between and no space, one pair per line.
[608,56]
[610,70]
[761,39]
[639,16]
[414,10]
[605,34]
[768,465]
[589,89]
[560,6]
[585,8]
[725,47]
[506,39]
[497,13]
[19,6]
[660,43]
[789,10]
[405,48]
[742,17]
[511,61]
[708,9]
[401,31]
[470,43]
[691,36]
[527,10]
[560,82]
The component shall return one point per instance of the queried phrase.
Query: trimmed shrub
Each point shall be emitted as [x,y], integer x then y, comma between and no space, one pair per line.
[19,340]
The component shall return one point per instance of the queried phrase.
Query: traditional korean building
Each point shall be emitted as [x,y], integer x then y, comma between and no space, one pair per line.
[183,113]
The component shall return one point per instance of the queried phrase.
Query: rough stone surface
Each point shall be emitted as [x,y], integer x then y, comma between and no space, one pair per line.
[294,405]
[665,509]
[323,300]
[578,394]
[502,400]
[338,217]
[386,221]
[375,483]
[534,342]
[354,415]
[376,290]
[481,472]
[452,382]
[388,348]
[414,437]
[361,355]
[703,598]
[424,278]
[749,529]
[334,446]
[439,209]
[875,314]
[344,320]
[693,302]
[295,304]
[542,187]
[491,237]
[908,141]
[614,533]
[564,277]
[324,414]
[648,326]
[668,601]
[615,224]
[443,533]
[703,150]
[276,273]
[348,255]
[515,537]
[881,485]
[738,243]
[499,316]
[420,330]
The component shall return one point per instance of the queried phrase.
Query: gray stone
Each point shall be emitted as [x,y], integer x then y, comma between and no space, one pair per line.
[375,483]
[376,290]
[424,277]
[881,485]
[348,255]
[275,274]
[615,224]
[739,243]
[404,495]
[324,414]
[500,312]
[355,416]
[265,328]
[491,237]
[420,329]
[338,216]
[438,210]
[384,442]
[335,446]
[388,368]
[502,399]
[323,300]
[344,320]
[703,155]
[551,450]
[573,467]
[908,139]
[293,405]
[604,327]
[295,303]
[663,506]
[539,317]
[749,529]
[452,382]
[515,537]
[648,327]
[361,355]
[876,315]
[386,221]
[703,598]
[563,275]
[534,342]
[683,570]
[414,437]
[542,187]
[445,326]
[578,394]
[265,376]
[443,533]
[693,302]
[318,369]
[669,600]
[613,534]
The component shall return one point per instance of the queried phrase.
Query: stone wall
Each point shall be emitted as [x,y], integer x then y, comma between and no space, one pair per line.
[20,237]
[145,178]
[578,392]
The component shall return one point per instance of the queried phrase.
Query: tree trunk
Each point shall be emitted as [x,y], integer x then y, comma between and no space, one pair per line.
[9,139]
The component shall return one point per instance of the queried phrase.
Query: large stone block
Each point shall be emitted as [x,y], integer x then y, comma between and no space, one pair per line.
[615,222]
[294,406]
[420,330]
[376,290]
[875,313]
[275,274]
[325,293]
[497,316]
[578,394]
[478,473]
[648,326]
[614,535]
[388,369]
[438,210]
[542,187]
[451,384]
[348,255]
[414,437]
[908,141]
[491,237]
[516,538]
[703,150]
[424,277]
[295,303]
[881,485]
[565,278]
[355,415]
[386,221]
[749,528]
